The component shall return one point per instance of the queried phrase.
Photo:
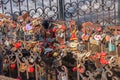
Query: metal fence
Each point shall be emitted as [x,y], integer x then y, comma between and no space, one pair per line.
[100,11]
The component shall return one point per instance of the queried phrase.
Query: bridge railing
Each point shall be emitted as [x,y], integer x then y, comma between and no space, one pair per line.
[97,11]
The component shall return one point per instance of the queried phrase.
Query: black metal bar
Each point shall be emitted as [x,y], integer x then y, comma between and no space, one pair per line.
[19,7]
[43,7]
[103,10]
[2,6]
[11,6]
[115,12]
[119,10]
[50,4]
[35,5]
[77,11]
[57,9]
[43,4]
[1,62]
[27,5]
[61,9]
[91,11]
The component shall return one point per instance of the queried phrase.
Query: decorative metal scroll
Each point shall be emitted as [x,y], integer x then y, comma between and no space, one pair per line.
[98,11]
[36,8]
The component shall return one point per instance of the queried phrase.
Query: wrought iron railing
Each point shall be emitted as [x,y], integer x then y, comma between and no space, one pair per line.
[100,11]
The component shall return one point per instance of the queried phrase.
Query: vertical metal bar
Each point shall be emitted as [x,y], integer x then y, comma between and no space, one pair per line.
[57,10]
[117,45]
[117,53]
[36,72]
[50,3]
[19,7]
[27,5]
[61,9]
[56,74]
[115,13]
[17,64]
[27,73]
[84,12]
[118,11]
[103,10]
[35,5]
[43,8]
[1,62]
[88,43]
[91,11]
[11,6]
[84,16]
[43,4]
[2,6]
[78,11]
[78,77]
[101,47]
[9,70]
[46,73]
[109,15]
[96,13]
[70,13]
[50,7]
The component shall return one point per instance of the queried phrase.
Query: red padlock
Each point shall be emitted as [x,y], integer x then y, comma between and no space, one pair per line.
[51,46]
[118,32]
[63,27]
[12,65]
[17,45]
[13,25]
[99,29]
[103,61]
[103,54]
[31,69]
[81,70]
[54,29]
[74,69]
[96,56]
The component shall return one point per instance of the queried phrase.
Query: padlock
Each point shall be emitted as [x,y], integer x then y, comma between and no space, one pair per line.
[35,23]
[1,23]
[31,69]
[55,54]
[22,67]
[12,24]
[12,65]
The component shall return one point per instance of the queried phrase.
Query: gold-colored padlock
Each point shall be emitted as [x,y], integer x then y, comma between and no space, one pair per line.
[31,31]
[55,54]
[22,67]
[35,50]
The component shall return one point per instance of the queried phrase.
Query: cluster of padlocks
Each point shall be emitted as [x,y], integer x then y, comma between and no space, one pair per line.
[44,49]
